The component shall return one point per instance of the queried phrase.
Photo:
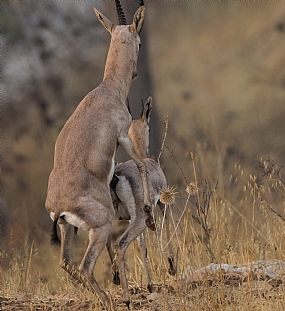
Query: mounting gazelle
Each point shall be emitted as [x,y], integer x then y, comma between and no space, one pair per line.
[127,194]
[78,189]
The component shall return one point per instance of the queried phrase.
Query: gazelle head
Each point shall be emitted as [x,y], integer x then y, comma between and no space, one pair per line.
[125,41]
[139,130]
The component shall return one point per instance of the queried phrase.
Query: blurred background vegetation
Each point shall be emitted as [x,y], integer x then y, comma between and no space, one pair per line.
[217,69]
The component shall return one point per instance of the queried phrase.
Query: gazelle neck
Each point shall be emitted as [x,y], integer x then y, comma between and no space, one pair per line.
[139,134]
[121,63]
[142,154]
[140,147]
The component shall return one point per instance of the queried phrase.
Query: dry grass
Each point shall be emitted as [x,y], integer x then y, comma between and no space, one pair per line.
[204,232]
[219,70]
[223,291]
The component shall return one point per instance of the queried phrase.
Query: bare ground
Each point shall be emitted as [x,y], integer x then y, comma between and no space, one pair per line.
[223,291]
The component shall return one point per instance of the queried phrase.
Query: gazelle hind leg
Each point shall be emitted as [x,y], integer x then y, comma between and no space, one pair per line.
[172,268]
[66,233]
[66,258]
[97,241]
[145,261]
[115,268]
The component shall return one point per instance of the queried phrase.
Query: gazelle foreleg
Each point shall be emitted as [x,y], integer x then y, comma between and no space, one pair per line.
[134,229]
[145,261]
[165,211]
[127,145]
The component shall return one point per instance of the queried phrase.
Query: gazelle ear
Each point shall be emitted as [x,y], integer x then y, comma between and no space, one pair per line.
[138,19]
[147,109]
[104,21]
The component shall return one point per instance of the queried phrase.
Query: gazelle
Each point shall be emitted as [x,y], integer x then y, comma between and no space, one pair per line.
[78,189]
[127,194]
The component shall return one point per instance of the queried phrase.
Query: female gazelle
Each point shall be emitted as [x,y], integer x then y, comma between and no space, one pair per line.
[127,194]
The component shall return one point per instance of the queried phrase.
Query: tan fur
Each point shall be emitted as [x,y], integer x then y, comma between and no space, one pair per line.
[78,188]
[139,130]
[128,200]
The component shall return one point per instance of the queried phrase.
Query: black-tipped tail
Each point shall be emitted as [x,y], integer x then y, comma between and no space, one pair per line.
[54,239]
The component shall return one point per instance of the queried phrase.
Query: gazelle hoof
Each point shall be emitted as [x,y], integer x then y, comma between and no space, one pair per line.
[150,223]
[116,278]
[172,269]
[147,209]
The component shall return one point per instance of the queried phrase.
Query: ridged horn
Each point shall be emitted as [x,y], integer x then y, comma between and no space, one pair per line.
[120,13]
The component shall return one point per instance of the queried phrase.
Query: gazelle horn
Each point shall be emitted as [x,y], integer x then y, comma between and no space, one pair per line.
[120,12]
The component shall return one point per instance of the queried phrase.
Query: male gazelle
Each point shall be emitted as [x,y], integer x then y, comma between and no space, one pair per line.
[78,189]
[127,194]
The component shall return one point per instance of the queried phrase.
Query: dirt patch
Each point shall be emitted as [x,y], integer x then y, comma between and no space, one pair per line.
[228,293]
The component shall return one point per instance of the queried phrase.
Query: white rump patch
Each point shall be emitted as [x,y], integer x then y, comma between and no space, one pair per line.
[72,219]
[75,221]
